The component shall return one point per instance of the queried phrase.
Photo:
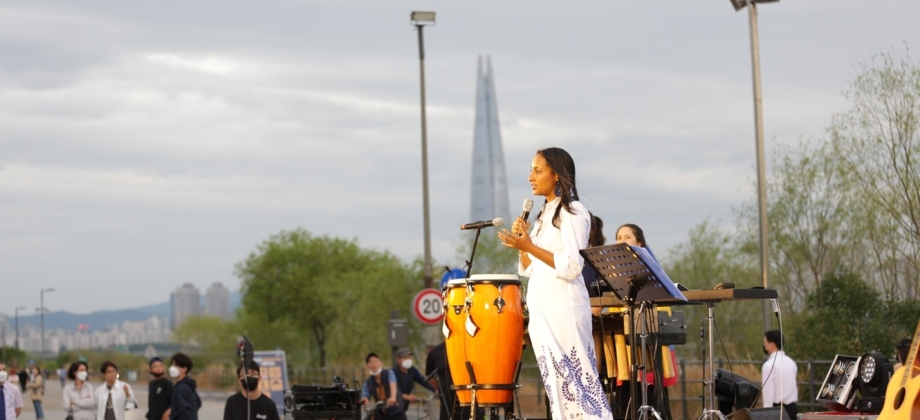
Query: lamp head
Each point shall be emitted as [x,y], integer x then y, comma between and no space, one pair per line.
[422,18]
[838,392]
[875,371]
[739,4]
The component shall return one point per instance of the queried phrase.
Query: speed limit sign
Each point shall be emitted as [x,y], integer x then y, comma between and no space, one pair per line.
[427,306]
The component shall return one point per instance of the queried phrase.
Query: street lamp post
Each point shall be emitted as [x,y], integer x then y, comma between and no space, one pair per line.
[758,133]
[18,308]
[42,310]
[420,20]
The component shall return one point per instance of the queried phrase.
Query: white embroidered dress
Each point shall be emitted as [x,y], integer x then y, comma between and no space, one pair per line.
[560,316]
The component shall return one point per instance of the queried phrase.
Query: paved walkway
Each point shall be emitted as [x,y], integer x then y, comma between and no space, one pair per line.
[212,402]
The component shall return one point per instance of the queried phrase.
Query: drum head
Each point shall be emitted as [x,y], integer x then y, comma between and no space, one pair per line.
[494,279]
[456,283]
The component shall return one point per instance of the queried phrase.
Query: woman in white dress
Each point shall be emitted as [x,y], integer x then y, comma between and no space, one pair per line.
[560,313]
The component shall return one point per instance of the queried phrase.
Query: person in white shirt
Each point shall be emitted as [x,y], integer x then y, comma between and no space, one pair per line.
[778,376]
[113,395]
[10,397]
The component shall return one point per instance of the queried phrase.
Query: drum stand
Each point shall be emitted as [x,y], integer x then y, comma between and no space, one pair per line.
[509,408]
[711,413]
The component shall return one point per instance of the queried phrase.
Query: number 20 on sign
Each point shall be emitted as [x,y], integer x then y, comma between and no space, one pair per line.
[427,306]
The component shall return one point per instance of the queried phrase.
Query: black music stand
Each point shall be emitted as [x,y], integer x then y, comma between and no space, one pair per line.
[635,277]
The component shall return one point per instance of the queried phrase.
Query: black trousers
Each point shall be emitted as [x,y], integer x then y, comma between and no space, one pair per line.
[792,410]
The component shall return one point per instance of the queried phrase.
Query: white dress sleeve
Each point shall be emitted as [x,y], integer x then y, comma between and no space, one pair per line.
[574,230]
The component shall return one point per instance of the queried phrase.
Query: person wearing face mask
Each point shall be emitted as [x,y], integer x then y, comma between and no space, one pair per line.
[185,400]
[381,386]
[259,406]
[407,376]
[79,401]
[37,391]
[159,391]
[10,396]
[113,396]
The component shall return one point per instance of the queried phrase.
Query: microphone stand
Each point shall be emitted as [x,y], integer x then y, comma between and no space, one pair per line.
[469,262]
[245,352]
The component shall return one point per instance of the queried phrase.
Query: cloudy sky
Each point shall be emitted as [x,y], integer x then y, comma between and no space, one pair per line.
[148,144]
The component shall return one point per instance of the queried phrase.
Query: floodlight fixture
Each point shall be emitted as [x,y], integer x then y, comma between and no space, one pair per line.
[422,18]
[875,371]
[739,4]
[838,392]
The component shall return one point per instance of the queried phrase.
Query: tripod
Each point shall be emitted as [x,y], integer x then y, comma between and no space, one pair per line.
[645,410]
[711,413]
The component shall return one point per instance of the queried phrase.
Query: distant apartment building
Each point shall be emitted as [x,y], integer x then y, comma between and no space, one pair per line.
[129,333]
[185,303]
[217,301]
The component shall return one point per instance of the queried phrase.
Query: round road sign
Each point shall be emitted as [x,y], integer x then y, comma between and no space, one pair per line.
[427,306]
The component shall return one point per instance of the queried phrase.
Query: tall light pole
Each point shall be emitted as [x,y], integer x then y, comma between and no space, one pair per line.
[758,133]
[18,308]
[42,311]
[420,20]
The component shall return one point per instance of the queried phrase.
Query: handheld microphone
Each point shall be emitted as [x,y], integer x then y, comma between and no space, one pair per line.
[245,351]
[498,221]
[528,205]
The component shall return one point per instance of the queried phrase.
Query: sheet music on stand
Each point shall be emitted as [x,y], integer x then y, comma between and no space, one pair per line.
[621,264]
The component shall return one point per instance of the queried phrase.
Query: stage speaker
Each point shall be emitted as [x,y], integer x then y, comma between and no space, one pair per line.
[768,413]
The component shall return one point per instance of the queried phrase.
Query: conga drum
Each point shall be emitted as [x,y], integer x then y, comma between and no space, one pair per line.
[495,332]
[455,316]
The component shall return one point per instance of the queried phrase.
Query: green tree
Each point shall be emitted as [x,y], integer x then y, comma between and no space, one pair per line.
[491,256]
[295,286]
[878,143]
[810,212]
[710,256]
[846,316]
[213,337]
[13,356]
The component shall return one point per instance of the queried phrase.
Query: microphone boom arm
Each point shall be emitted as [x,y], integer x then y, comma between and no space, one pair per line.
[469,262]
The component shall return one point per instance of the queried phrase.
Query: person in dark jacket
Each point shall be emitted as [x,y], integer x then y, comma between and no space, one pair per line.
[185,400]
[160,392]
[407,376]
[24,379]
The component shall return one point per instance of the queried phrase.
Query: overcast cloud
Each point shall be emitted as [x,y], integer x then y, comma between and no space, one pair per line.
[148,144]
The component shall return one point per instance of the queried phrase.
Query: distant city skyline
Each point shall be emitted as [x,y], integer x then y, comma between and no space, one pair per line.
[149,324]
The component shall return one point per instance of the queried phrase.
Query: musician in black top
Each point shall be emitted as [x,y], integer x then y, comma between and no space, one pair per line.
[259,406]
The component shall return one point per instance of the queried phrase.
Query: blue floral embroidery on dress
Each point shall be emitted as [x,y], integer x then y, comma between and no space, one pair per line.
[576,385]
[544,373]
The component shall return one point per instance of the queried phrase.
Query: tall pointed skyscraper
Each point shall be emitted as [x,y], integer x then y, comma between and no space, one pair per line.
[489,189]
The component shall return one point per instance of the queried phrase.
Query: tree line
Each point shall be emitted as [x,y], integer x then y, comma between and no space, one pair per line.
[844,219]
